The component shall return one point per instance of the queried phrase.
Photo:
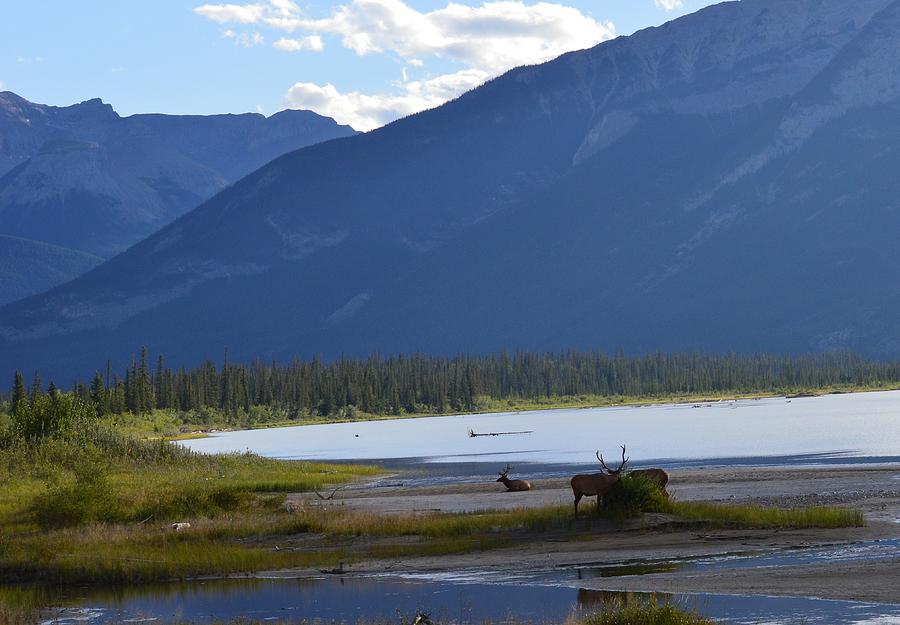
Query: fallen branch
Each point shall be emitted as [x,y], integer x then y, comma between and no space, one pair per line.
[329,497]
[473,434]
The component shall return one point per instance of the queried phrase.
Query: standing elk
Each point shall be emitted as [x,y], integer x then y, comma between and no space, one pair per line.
[513,485]
[599,484]
[657,476]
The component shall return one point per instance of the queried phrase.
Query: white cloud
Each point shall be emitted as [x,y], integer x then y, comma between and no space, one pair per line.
[485,40]
[238,13]
[2,85]
[669,5]
[494,36]
[366,111]
[312,42]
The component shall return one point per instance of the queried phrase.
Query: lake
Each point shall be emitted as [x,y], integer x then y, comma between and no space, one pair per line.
[844,428]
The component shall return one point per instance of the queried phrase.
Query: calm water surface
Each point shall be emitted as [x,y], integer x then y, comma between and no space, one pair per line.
[348,600]
[860,427]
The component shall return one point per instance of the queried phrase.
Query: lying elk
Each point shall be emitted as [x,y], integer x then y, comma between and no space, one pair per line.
[513,485]
[598,484]
[657,476]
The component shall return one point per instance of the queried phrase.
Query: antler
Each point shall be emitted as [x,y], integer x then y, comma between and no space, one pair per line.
[624,460]
[506,472]
[606,468]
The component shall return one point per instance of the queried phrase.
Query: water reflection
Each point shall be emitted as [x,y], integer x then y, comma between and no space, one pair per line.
[350,600]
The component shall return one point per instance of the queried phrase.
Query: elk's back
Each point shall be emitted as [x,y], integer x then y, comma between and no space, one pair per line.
[659,476]
[593,484]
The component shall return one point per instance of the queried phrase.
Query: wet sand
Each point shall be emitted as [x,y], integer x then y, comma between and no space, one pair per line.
[874,490]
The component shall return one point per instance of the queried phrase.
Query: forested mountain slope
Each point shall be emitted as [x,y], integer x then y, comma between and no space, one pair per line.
[28,266]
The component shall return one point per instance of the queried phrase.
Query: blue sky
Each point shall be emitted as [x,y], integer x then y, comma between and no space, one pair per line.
[363,62]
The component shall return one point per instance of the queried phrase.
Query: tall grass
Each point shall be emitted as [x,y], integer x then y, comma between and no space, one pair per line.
[645,614]
[66,483]
[80,502]
[762,517]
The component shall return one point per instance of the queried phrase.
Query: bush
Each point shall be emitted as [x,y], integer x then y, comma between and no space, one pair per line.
[633,495]
[56,414]
[646,614]
[87,499]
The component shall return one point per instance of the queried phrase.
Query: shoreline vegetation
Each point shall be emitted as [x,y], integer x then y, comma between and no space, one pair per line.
[488,406]
[157,401]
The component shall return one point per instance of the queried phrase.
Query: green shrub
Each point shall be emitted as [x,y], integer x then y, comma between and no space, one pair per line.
[632,496]
[85,499]
[645,614]
[56,414]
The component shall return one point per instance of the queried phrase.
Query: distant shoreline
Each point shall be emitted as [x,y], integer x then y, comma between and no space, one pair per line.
[574,403]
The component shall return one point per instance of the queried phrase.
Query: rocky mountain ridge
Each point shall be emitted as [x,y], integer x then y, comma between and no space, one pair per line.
[723,182]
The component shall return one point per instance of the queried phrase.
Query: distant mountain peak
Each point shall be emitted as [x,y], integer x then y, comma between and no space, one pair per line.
[84,178]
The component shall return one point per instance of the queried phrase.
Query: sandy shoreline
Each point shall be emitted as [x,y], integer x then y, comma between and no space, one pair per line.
[875,491]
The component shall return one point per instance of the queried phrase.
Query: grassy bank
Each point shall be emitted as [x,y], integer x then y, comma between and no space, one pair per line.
[267,536]
[81,503]
[761,517]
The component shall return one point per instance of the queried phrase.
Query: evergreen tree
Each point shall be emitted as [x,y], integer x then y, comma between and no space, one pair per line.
[18,392]
[37,389]
[98,394]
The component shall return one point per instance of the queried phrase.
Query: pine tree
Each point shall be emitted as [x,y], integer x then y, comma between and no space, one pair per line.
[160,383]
[37,389]
[98,394]
[19,393]
[144,398]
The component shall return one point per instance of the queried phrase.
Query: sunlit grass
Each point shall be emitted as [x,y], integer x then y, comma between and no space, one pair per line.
[763,517]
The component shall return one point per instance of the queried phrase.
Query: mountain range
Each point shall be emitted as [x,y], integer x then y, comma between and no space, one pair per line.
[83,178]
[727,181]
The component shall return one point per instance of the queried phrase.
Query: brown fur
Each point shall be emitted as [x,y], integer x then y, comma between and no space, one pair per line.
[654,475]
[589,485]
[513,485]
[597,484]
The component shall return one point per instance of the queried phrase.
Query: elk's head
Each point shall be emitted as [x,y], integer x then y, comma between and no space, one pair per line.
[613,471]
[504,474]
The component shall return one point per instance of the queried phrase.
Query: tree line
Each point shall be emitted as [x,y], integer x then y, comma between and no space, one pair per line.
[421,383]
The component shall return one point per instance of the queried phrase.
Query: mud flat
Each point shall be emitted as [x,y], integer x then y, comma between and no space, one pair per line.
[874,490]
[823,563]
